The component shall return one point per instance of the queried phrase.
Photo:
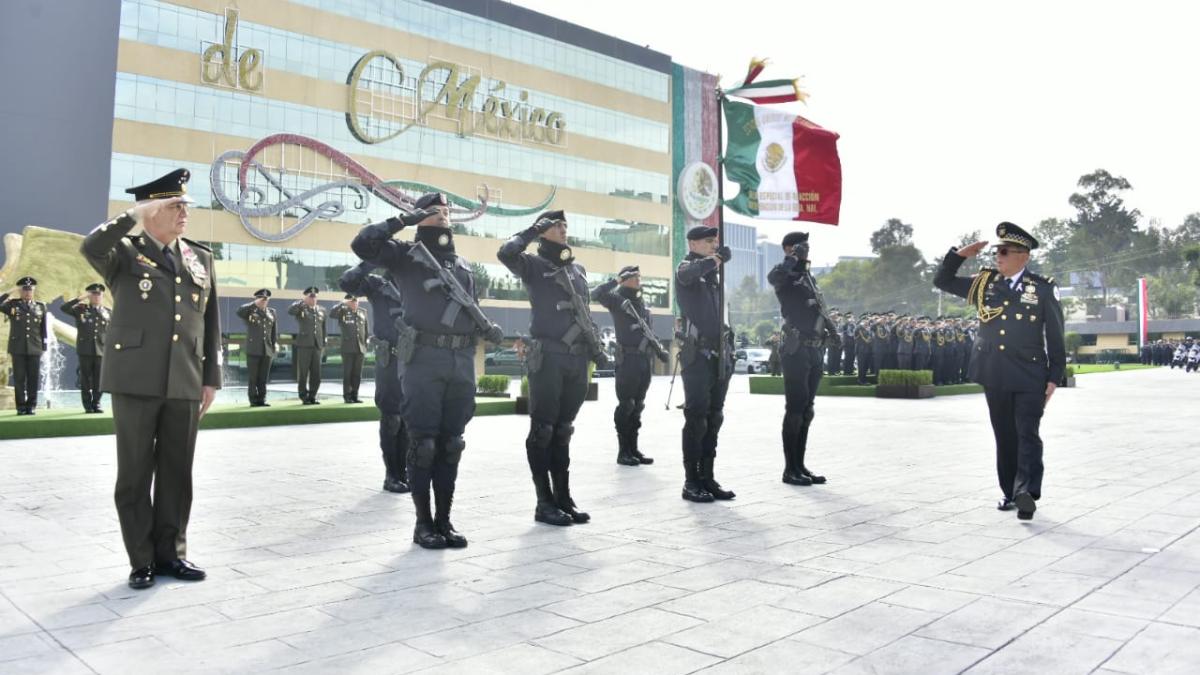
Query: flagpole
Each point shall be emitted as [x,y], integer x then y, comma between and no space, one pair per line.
[721,207]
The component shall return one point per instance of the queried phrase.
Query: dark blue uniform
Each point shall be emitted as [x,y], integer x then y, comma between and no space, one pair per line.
[557,361]
[707,365]
[1019,349]
[387,305]
[634,366]
[438,382]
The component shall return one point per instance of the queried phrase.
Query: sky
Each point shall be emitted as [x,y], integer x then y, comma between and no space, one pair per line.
[955,116]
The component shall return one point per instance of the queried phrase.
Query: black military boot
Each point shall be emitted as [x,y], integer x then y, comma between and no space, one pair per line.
[624,456]
[801,449]
[562,497]
[710,483]
[444,498]
[791,433]
[424,534]
[633,447]
[547,510]
[693,488]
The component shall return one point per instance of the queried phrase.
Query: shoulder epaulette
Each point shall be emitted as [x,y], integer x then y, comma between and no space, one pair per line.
[197,244]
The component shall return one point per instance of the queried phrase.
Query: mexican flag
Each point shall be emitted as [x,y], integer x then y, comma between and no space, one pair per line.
[787,166]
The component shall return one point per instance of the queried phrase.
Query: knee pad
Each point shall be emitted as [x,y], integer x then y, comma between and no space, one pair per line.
[422,452]
[454,447]
[539,436]
[562,434]
[391,424]
[715,420]
[695,425]
[809,414]
[625,408]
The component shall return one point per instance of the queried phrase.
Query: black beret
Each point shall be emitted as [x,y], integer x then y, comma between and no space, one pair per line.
[27,282]
[1008,233]
[312,290]
[702,232]
[793,238]
[173,184]
[262,293]
[629,271]
[552,215]
[432,199]
[95,288]
[351,296]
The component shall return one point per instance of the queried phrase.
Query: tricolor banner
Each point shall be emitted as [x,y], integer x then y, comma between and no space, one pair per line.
[1143,313]
[788,167]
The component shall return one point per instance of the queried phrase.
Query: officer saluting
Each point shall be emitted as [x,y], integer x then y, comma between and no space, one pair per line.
[1019,355]
[162,365]
[562,340]
[622,297]
[706,355]
[437,345]
[352,320]
[91,324]
[807,327]
[27,337]
[262,341]
[387,306]
[309,345]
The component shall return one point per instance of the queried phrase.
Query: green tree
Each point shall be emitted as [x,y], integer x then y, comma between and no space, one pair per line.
[1103,229]
[1171,295]
[748,304]
[1053,252]
[894,233]
[1073,342]
[763,330]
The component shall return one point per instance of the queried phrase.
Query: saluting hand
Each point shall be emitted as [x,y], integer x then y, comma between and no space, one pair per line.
[1050,387]
[148,209]
[208,395]
[971,250]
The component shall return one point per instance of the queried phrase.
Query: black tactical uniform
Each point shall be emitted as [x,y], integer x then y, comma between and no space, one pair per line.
[91,325]
[262,340]
[848,345]
[635,353]
[439,373]
[706,356]
[562,341]
[1019,350]
[353,325]
[27,336]
[387,306]
[308,347]
[806,328]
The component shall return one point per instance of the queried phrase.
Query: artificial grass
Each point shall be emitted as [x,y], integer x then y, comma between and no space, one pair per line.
[1085,368]
[832,386]
[74,422]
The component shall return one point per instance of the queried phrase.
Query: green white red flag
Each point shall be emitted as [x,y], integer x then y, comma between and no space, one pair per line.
[787,167]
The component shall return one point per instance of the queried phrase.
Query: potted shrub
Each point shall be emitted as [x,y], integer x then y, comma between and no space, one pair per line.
[1069,380]
[905,384]
[593,392]
[522,403]
[494,386]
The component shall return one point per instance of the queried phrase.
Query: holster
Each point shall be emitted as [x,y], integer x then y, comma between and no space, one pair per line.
[383,352]
[406,341]
[534,355]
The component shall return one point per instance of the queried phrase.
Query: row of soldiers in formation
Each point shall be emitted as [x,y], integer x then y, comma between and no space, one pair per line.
[163,365]
[874,341]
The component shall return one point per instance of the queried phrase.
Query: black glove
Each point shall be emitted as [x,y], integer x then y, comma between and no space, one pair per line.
[494,334]
[397,223]
[725,253]
[800,252]
[542,225]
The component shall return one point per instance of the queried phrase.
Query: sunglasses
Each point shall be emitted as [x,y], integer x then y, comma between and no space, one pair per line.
[1005,250]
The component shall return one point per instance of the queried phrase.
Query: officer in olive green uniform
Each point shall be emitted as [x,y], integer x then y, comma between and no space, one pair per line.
[352,320]
[162,365]
[309,346]
[262,341]
[27,337]
[91,324]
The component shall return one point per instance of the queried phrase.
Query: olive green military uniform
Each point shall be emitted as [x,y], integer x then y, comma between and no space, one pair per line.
[27,337]
[308,348]
[91,325]
[163,346]
[353,324]
[262,339]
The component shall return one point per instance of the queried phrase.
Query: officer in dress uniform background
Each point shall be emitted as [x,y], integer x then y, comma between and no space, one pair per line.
[309,346]
[352,320]
[634,358]
[91,325]
[1019,355]
[262,341]
[557,355]
[162,366]
[27,336]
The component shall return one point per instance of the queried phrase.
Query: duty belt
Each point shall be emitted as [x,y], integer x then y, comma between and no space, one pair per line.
[802,338]
[559,347]
[445,341]
[641,346]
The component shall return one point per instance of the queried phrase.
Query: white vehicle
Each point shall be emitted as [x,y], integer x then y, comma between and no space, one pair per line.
[752,360]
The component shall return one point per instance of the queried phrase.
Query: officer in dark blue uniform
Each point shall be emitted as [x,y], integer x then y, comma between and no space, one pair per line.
[387,306]
[439,374]
[562,341]
[807,327]
[635,353]
[1019,355]
[706,355]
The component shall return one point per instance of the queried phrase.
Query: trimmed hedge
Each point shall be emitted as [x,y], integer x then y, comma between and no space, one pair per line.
[1070,371]
[525,387]
[492,384]
[907,378]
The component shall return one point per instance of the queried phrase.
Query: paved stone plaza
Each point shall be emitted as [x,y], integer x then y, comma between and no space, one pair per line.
[900,564]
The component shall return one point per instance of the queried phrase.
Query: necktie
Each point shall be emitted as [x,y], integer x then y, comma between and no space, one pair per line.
[170,258]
